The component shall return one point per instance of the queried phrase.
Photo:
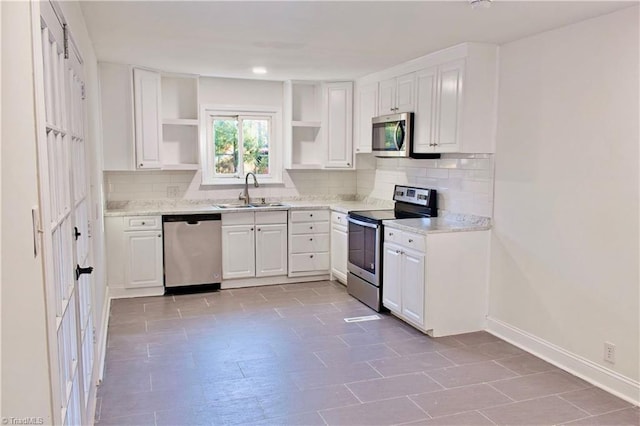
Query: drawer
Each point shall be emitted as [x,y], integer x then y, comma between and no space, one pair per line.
[238,218]
[309,243]
[339,218]
[414,241]
[306,262]
[271,218]
[140,223]
[309,215]
[392,235]
[309,228]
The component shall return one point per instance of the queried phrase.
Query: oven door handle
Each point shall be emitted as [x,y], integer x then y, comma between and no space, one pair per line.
[361,223]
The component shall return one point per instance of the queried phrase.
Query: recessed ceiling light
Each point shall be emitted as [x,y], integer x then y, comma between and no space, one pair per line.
[484,4]
[259,70]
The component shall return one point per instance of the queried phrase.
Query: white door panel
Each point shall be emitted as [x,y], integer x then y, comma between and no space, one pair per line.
[271,250]
[238,251]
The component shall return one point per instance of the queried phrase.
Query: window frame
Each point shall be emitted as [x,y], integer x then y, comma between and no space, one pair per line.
[207,149]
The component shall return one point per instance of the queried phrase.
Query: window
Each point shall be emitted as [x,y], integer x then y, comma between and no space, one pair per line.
[240,141]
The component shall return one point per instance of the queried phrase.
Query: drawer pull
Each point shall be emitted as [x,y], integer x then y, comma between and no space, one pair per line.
[311,256]
[410,240]
[258,229]
[251,229]
[311,227]
[311,215]
[310,239]
[391,234]
[144,223]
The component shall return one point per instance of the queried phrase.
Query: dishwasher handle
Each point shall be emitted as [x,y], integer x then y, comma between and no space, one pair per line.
[191,219]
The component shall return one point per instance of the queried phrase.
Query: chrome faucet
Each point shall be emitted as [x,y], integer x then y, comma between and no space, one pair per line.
[245,195]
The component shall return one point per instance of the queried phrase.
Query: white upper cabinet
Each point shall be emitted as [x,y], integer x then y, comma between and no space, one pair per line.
[149,119]
[366,109]
[318,123]
[397,94]
[453,94]
[116,95]
[338,124]
[426,95]
[147,112]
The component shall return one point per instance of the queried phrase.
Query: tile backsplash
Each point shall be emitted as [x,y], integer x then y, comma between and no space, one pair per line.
[154,185]
[464,182]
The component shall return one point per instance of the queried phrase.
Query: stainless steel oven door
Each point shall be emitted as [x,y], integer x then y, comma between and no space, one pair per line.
[364,250]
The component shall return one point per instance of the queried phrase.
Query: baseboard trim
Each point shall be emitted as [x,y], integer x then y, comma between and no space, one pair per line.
[105,332]
[602,377]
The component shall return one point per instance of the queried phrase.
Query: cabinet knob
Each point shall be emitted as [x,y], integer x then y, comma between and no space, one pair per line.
[159,235]
[258,229]
[410,240]
[311,227]
[144,223]
[311,256]
[397,251]
[310,239]
[390,234]
[348,164]
[141,164]
[311,215]
[251,229]
[357,149]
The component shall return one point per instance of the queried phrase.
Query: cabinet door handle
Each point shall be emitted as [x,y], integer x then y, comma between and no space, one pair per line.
[410,240]
[144,223]
[311,227]
[311,256]
[251,229]
[159,235]
[311,215]
[259,229]
[141,164]
[391,234]
[310,239]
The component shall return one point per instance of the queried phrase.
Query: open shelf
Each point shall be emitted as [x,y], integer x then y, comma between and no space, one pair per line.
[179,147]
[179,97]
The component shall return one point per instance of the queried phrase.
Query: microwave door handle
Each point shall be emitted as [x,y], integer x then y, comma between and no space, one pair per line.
[400,139]
[395,136]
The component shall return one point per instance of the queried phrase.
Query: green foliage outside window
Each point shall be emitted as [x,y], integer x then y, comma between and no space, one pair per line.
[255,145]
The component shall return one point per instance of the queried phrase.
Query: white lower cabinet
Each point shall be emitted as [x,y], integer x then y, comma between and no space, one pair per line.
[144,258]
[254,244]
[134,253]
[339,244]
[238,251]
[437,282]
[309,242]
[271,250]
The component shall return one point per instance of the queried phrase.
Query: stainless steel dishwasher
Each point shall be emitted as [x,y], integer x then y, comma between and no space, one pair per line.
[192,250]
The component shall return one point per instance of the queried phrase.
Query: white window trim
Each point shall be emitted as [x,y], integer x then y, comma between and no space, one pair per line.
[207,152]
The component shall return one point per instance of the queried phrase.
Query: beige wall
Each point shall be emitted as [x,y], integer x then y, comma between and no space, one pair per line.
[25,377]
[565,238]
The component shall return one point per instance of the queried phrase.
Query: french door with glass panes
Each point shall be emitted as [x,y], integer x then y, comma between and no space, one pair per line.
[65,204]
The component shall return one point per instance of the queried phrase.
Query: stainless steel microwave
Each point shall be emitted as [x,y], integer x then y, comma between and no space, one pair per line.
[392,135]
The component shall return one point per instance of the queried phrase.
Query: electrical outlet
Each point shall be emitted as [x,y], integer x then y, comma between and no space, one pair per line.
[172,191]
[610,352]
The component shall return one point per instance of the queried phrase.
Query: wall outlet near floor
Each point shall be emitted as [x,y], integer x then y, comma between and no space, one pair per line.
[610,352]
[172,191]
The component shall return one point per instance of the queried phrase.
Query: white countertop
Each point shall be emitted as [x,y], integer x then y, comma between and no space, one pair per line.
[160,207]
[449,223]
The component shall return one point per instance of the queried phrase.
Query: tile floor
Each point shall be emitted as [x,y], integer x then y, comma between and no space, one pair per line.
[283,355]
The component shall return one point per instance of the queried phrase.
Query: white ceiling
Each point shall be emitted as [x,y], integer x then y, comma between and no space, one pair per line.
[310,40]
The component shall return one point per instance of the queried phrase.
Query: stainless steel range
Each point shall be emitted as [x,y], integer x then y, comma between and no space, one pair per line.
[364,280]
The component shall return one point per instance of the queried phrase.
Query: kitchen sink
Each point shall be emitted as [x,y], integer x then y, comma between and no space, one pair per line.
[249,206]
[233,206]
[258,205]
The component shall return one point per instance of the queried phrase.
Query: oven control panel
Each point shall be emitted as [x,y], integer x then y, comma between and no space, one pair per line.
[412,195]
